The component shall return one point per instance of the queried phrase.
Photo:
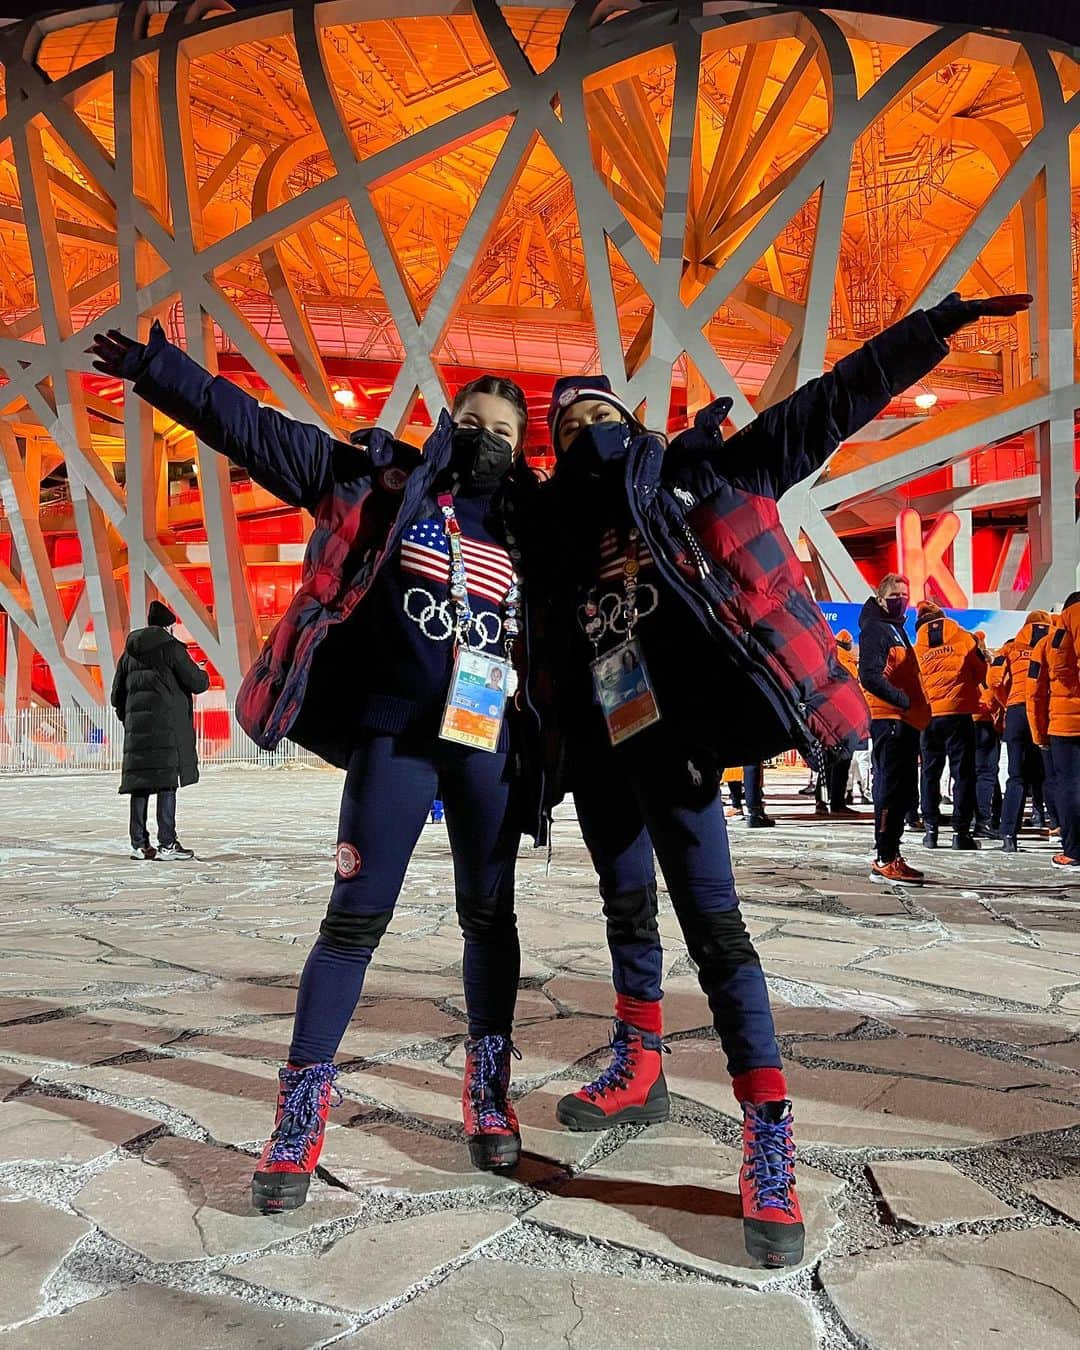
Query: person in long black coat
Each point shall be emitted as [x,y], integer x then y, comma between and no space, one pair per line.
[153,691]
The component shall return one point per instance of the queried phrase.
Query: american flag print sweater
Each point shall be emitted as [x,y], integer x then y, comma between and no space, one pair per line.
[407,627]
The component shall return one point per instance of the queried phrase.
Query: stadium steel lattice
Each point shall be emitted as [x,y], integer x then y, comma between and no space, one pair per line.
[718,197]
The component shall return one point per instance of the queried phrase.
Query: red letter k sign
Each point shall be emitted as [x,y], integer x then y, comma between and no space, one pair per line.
[921,559]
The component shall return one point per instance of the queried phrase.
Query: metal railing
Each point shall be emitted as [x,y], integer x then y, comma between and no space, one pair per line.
[69,739]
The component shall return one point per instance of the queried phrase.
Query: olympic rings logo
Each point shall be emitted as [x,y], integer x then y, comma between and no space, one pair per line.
[612,611]
[435,619]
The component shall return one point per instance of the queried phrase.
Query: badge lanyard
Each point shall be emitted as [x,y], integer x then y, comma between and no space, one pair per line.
[620,678]
[459,582]
[594,621]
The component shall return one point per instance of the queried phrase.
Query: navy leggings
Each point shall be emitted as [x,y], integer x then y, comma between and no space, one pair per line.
[655,791]
[389,788]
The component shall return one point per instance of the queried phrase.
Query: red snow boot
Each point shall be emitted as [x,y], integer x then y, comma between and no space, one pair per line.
[772,1221]
[291,1154]
[491,1125]
[631,1090]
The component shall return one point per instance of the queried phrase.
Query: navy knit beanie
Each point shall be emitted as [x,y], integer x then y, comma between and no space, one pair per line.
[571,389]
[159,615]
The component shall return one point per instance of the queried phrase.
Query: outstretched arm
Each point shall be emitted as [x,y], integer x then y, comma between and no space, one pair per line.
[789,441]
[291,459]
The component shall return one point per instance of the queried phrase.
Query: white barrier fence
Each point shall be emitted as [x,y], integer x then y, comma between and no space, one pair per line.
[71,740]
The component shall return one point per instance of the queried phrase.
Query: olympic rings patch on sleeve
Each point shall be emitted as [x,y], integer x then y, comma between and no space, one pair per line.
[347,860]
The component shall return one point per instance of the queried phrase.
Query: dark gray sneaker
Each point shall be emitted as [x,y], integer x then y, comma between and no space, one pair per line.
[174,852]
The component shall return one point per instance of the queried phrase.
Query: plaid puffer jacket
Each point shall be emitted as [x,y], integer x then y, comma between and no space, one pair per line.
[707,509]
[363,496]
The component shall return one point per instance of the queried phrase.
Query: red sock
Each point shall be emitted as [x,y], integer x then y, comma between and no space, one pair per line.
[640,1013]
[760,1085]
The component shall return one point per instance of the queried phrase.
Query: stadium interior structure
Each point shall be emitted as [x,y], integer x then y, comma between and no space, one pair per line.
[351,215]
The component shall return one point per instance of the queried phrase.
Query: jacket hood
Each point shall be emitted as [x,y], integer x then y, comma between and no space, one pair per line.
[1038,618]
[143,641]
[844,636]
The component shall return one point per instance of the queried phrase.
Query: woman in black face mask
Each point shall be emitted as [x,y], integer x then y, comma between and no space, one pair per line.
[396,661]
[691,644]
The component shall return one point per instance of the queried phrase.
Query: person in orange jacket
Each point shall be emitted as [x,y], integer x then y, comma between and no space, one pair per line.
[1053,708]
[859,772]
[830,790]
[1007,681]
[846,653]
[989,724]
[889,675]
[952,670]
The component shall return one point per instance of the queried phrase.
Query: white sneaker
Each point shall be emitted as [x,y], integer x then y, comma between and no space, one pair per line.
[146,854]
[174,853]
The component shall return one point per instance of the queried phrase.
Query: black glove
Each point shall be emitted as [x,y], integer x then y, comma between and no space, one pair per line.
[119,356]
[953,313]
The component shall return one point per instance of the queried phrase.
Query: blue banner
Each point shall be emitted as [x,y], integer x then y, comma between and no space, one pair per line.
[999,625]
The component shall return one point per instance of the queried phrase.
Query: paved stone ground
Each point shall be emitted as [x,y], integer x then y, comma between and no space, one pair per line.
[933,1042]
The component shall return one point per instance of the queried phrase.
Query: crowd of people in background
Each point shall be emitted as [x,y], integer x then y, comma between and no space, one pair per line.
[993,735]
[943,703]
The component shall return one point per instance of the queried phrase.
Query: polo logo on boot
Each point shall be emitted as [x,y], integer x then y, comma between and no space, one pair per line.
[348,861]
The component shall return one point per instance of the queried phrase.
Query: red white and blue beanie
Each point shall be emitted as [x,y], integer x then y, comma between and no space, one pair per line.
[571,389]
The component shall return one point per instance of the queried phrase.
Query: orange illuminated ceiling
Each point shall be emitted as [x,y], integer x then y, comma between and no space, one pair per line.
[353,213]
[920,174]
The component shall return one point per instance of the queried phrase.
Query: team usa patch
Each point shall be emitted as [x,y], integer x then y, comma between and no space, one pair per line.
[348,861]
[393,479]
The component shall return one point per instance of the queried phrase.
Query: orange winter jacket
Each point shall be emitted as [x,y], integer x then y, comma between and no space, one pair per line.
[889,669]
[951,665]
[1008,675]
[990,710]
[1053,684]
[847,655]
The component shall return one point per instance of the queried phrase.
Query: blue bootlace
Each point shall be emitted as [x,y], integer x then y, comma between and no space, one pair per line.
[301,1121]
[772,1162]
[617,1073]
[487,1083]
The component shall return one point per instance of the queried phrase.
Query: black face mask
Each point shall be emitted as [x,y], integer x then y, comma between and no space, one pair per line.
[596,453]
[845,646]
[479,459]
